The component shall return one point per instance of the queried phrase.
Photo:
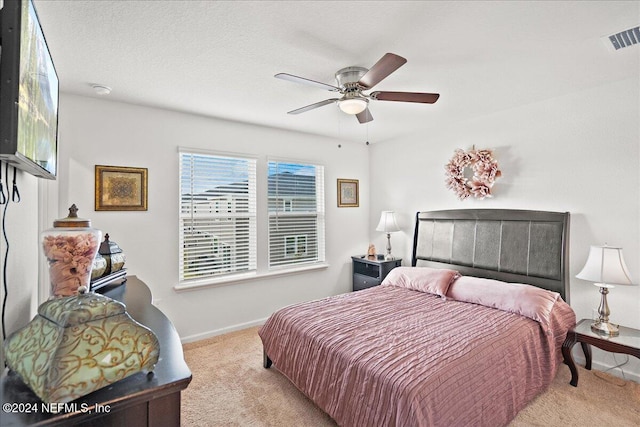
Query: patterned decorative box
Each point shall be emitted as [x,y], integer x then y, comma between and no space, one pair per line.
[79,344]
[113,254]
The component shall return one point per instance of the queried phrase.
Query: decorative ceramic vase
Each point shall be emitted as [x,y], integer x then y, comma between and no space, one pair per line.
[70,247]
[79,344]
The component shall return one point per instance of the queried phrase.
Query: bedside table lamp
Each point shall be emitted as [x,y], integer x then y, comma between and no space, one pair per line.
[605,266]
[388,225]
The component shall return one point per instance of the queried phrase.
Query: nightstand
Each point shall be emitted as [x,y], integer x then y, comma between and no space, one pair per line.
[371,272]
[628,342]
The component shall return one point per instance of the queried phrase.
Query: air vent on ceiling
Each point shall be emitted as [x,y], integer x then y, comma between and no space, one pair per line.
[624,38]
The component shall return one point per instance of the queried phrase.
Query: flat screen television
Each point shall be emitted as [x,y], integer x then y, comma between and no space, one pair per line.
[28,92]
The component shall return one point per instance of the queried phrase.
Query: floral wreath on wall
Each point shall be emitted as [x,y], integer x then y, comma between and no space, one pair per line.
[481,164]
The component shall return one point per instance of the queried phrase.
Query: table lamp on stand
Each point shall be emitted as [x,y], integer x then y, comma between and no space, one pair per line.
[388,225]
[605,267]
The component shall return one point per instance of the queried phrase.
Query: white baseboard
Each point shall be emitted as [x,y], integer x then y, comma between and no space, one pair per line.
[216,332]
[599,366]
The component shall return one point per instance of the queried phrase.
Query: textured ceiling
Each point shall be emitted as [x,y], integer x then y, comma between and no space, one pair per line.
[218,58]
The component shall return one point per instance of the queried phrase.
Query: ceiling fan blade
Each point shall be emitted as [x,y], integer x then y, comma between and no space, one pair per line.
[365,116]
[425,98]
[313,106]
[296,79]
[381,69]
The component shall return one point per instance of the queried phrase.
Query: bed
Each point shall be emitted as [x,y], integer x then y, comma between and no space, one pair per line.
[468,335]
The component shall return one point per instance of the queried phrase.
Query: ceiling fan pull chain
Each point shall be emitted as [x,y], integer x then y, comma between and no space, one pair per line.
[367,133]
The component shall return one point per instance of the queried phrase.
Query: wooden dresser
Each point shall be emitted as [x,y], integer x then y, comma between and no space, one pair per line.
[139,400]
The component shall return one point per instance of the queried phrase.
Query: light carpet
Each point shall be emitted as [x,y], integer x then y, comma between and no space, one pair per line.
[231,388]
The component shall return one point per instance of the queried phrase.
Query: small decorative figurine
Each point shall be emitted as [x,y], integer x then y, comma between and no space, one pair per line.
[371,252]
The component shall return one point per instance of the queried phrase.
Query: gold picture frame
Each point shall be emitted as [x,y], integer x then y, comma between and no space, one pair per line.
[120,188]
[348,193]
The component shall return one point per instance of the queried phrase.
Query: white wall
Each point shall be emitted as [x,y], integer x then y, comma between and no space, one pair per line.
[578,153]
[21,224]
[108,133]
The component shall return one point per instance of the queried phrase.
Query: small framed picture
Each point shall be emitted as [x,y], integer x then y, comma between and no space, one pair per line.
[348,193]
[120,188]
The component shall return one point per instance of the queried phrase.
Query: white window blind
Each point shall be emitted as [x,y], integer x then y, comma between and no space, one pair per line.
[217,215]
[296,213]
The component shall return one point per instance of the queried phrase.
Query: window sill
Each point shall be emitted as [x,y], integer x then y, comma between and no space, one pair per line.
[246,277]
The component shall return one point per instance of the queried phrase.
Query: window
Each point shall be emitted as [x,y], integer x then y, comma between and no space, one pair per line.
[296,213]
[295,246]
[217,215]
[218,220]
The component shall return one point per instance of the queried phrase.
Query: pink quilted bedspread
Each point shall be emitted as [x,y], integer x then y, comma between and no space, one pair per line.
[389,356]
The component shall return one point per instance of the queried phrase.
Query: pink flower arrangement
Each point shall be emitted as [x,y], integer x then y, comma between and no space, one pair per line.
[485,171]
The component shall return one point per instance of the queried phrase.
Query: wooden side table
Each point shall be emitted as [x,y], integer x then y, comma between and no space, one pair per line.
[369,272]
[628,342]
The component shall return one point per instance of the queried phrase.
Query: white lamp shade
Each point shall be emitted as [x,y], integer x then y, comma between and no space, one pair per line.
[352,105]
[605,266]
[388,222]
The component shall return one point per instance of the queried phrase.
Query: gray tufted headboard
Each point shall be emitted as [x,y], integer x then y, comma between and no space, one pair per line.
[510,245]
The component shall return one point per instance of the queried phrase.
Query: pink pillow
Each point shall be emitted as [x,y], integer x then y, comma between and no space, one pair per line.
[423,279]
[525,300]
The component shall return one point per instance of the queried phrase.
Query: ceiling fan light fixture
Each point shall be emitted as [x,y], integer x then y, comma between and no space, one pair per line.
[353,105]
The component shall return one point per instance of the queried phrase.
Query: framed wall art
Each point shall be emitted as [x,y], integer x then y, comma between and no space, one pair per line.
[348,193]
[120,188]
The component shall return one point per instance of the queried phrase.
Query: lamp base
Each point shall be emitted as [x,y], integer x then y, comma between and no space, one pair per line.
[388,256]
[605,328]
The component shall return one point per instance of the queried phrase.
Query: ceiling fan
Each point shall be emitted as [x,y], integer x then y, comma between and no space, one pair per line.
[352,81]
